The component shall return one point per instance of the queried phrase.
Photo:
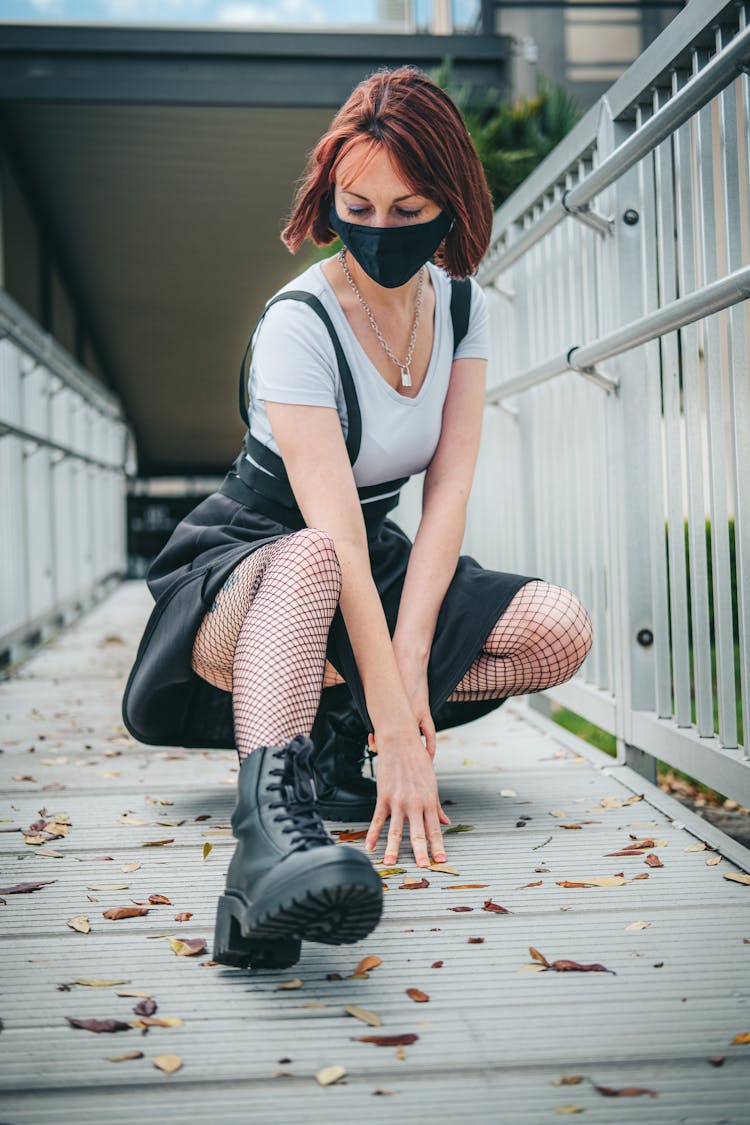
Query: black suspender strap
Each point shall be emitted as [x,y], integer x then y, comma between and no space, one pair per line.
[460,310]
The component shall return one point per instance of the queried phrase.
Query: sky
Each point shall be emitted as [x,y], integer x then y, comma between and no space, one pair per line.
[258,13]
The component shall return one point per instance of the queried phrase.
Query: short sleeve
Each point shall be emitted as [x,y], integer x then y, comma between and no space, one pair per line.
[293,359]
[476,342]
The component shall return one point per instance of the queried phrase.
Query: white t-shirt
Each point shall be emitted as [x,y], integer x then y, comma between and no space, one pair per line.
[294,361]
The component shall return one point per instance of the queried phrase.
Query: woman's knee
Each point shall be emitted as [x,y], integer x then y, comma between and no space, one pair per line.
[549,615]
[309,556]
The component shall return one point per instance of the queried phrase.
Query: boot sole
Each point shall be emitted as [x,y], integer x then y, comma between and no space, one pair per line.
[334,906]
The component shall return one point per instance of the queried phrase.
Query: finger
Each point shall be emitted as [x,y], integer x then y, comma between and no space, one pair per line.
[418,839]
[428,729]
[435,837]
[376,827]
[395,832]
[444,818]
[371,744]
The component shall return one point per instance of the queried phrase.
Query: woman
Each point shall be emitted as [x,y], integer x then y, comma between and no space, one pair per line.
[289,595]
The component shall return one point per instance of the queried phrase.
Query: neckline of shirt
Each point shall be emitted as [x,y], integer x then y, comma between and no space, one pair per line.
[391,392]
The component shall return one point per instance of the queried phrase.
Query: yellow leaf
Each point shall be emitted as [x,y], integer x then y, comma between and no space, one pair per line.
[296,983]
[738,877]
[168,1063]
[364,1015]
[330,1074]
[207,848]
[568,1080]
[568,1109]
[742,1039]
[99,983]
[80,923]
[384,872]
[400,1053]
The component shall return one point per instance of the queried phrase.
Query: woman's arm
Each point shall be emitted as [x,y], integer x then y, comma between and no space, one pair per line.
[437,544]
[312,447]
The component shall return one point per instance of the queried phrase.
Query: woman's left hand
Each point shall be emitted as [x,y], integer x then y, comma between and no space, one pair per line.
[413,669]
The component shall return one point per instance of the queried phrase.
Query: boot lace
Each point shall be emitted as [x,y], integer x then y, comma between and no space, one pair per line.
[297,790]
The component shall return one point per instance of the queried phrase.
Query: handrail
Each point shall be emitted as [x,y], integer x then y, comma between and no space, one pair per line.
[709,299]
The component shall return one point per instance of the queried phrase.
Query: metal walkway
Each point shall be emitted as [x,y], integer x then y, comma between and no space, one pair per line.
[495,1040]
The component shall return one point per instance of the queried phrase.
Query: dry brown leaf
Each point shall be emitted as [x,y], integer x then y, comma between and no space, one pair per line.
[170,823]
[330,1074]
[417,995]
[98,983]
[187,947]
[25,888]
[494,907]
[98,1025]
[346,835]
[466,887]
[475,940]
[368,963]
[738,877]
[537,884]
[444,867]
[135,992]
[362,1014]
[437,964]
[80,924]
[145,1007]
[638,926]
[623,1092]
[158,844]
[461,909]
[412,884]
[157,1021]
[296,983]
[653,860]
[118,912]
[742,1039]
[568,1080]
[564,966]
[389,1040]
[168,1063]
[132,819]
[695,848]
[713,860]
[126,1057]
[569,1109]
[184,916]
[599,881]
[537,956]
[108,886]
[625,851]
[159,900]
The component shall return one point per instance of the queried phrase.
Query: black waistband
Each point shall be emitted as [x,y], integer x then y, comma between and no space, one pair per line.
[374,513]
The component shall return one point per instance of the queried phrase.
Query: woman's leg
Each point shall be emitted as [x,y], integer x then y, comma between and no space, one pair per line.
[264,639]
[540,640]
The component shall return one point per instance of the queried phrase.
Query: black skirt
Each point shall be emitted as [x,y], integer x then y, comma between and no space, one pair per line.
[167,703]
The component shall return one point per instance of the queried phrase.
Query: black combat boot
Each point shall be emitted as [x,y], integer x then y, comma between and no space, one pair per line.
[340,740]
[287,880]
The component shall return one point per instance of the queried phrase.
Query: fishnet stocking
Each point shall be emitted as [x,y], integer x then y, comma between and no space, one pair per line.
[541,639]
[264,638]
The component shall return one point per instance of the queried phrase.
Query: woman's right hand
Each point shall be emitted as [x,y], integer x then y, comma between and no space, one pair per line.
[407,790]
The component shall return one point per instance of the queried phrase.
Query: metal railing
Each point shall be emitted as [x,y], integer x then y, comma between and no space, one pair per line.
[64,452]
[618,419]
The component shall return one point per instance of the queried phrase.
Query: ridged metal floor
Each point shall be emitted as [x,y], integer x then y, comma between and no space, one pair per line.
[493,1039]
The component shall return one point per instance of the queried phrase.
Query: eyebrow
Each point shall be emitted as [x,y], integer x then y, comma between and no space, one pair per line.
[401,198]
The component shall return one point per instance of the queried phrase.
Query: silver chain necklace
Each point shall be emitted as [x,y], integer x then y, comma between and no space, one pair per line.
[405,367]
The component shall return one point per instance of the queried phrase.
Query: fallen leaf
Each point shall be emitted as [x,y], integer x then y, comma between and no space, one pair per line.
[98,1025]
[362,1014]
[23,777]
[330,1074]
[135,992]
[494,907]
[187,947]
[632,800]
[296,983]
[35,841]
[508,793]
[411,884]
[568,1080]
[145,1007]
[170,823]
[158,900]
[742,1039]
[537,956]
[158,844]
[117,912]
[168,1063]
[466,887]
[569,1109]
[458,828]
[207,849]
[461,909]
[599,881]
[653,861]
[532,969]
[417,995]
[347,835]
[475,940]
[714,859]
[80,923]
[625,851]
[368,963]
[98,983]
[389,1040]
[437,964]
[623,1092]
[108,886]
[738,877]
[126,1057]
[571,826]
[445,867]
[537,884]
[185,916]
[564,966]
[157,1021]
[384,872]
[558,812]
[695,848]
[637,925]
[131,819]
[25,888]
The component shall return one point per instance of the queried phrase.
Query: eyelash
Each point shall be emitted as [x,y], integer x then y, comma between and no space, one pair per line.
[401,211]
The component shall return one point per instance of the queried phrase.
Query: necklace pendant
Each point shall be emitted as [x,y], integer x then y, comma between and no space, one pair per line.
[405,377]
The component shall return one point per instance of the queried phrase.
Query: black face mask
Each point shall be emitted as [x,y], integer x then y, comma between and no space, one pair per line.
[391,255]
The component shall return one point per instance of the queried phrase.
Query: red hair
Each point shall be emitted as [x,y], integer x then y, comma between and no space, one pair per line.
[422,130]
